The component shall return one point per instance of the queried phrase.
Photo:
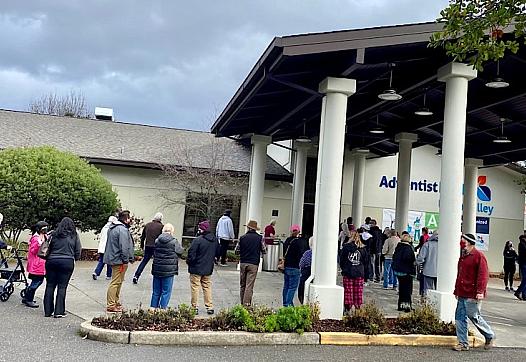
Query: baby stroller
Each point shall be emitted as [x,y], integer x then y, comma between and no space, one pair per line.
[12,275]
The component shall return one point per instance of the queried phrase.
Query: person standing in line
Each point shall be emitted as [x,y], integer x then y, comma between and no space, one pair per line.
[520,293]
[294,248]
[344,235]
[350,225]
[510,258]
[375,251]
[423,238]
[165,266]
[102,247]
[367,224]
[119,253]
[305,270]
[251,248]
[64,250]
[427,261]
[200,260]
[150,233]
[270,232]
[387,251]
[36,267]
[225,234]
[470,290]
[404,264]
[354,263]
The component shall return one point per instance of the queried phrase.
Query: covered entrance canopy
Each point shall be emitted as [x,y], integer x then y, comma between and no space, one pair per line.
[327,86]
[280,94]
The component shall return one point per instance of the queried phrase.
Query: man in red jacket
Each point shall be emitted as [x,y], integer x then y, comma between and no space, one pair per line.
[470,289]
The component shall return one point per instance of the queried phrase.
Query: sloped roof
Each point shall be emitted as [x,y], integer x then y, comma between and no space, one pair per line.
[126,144]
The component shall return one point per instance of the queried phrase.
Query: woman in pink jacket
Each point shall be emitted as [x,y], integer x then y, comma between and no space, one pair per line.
[36,266]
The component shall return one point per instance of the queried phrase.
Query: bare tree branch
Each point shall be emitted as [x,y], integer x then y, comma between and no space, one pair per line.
[71,105]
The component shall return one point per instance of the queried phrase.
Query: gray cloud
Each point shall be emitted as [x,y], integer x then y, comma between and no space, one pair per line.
[169,63]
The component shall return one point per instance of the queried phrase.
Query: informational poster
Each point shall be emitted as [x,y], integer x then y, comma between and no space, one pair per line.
[482,233]
[415,222]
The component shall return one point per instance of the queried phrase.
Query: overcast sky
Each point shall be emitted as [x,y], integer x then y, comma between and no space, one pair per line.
[171,63]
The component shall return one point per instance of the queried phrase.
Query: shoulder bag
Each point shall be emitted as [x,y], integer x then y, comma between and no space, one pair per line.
[281,262]
[44,249]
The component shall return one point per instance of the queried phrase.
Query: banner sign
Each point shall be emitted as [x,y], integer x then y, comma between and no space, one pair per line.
[482,233]
[415,222]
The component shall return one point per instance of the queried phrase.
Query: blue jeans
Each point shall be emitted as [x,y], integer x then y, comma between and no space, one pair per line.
[522,287]
[290,285]
[162,291]
[470,308]
[148,254]
[100,266]
[389,277]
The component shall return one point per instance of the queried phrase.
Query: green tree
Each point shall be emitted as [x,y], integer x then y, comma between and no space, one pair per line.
[474,29]
[43,183]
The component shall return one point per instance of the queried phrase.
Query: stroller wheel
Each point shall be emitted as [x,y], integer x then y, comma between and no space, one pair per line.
[10,289]
[4,297]
[23,293]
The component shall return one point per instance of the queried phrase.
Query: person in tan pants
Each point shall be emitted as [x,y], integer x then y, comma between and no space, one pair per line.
[251,247]
[201,257]
[113,295]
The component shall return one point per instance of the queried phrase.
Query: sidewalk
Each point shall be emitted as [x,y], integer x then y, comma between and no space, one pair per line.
[87,298]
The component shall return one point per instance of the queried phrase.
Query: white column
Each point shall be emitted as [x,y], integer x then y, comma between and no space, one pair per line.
[324,289]
[358,185]
[256,186]
[403,178]
[456,77]
[298,192]
[469,207]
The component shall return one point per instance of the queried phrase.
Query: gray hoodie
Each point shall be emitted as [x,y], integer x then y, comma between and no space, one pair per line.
[428,256]
[119,245]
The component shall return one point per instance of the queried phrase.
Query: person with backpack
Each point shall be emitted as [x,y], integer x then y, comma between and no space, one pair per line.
[404,264]
[294,248]
[354,263]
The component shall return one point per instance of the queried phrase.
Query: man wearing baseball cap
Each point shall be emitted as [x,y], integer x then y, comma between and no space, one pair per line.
[470,289]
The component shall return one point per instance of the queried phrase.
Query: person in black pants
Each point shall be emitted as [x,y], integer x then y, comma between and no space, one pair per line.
[64,249]
[510,258]
[404,263]
[150,233]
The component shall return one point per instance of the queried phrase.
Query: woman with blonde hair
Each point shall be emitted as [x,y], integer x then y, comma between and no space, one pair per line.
[165,266]
[404,267]
[355,266]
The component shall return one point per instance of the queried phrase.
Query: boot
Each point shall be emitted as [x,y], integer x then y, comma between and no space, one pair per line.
[30,295]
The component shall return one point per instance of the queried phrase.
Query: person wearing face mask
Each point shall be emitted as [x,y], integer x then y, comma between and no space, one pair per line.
[510,258]
[36,267]
[119,253]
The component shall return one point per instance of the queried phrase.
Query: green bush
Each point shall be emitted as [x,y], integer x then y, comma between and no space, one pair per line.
[369,319]
[423,320]
[294,319]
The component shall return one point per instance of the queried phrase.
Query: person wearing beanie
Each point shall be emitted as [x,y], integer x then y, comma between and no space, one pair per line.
[200,260]
[225,234]
[470,290]
[150,233]
[102,246]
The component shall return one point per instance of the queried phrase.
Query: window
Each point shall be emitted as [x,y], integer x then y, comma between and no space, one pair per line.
[198,209]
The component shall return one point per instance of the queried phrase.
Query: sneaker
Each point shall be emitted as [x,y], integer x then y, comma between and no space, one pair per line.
[511,289]
[377,280]
[135,280]
[389,286]
[108,278]
[460,348]
[507,289]
[209,311]
[386,288]
[489,344]
[223,264]
[60,315]
[31,304]
[94,276]
[366,284]
[517,294]
[395,289]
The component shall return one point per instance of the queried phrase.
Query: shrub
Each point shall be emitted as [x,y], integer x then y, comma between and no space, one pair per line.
[294,319]
[369,319]
[423,320]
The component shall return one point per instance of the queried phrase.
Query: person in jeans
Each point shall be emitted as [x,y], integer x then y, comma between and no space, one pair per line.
[427,260]
[293,248]
[64,249]
[102,247]
[165,266]
[388,251]
[119,253]
[305,270]
[354,263]
[520,293]
[470,289]
[201,256]
[225,234]
[510,258]
[251,247]
[404,268]
[150,233]
[36,267]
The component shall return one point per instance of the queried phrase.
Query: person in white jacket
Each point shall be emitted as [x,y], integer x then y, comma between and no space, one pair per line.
[225,234]
[102,247]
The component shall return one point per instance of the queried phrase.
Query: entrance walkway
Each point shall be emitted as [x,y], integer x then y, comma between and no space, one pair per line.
[86,298]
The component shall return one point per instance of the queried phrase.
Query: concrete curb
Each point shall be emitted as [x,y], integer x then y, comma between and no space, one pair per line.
[357,339]
[215,338]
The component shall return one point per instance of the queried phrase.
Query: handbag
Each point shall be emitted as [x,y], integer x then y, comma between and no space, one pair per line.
[44,249]
[281,262]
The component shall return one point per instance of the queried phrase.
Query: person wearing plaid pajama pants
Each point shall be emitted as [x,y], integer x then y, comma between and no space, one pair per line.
[354,263]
